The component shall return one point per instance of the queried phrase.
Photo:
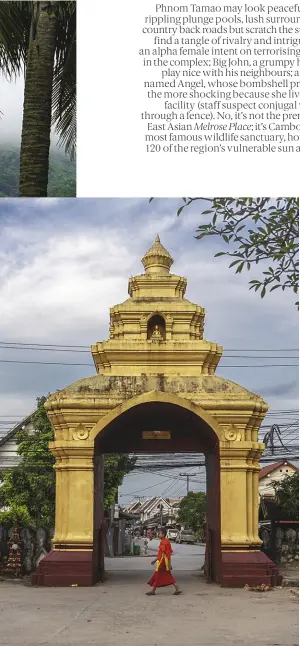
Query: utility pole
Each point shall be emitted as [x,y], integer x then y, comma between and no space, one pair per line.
[187,476]
[160,507]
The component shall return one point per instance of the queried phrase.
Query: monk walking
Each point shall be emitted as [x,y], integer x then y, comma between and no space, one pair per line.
[162,576]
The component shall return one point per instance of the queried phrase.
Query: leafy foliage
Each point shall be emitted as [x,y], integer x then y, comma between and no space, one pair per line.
[192,510]
[16,515]
[17,21]
[287,494]
[64,82]
[62,174]
[256,230]
[116,466]
[29,488]
[32,483]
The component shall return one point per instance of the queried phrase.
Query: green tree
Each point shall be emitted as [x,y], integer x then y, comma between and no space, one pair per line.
[116,466]
[15,515]
[62,173]
[30,487]
[287,494]
[256,230]
[192,510]
[39,39]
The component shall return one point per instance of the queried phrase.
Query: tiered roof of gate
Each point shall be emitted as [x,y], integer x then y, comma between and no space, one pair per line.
[157,329]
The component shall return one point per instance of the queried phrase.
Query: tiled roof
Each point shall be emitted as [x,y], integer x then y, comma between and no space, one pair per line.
[271,467]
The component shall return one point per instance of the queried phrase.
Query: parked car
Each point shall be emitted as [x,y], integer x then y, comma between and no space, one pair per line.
[172,534]
[186,536]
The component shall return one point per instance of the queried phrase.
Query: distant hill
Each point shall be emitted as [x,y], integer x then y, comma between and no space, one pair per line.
[62,174]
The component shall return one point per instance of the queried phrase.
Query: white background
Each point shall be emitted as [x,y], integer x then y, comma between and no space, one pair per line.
[112,161]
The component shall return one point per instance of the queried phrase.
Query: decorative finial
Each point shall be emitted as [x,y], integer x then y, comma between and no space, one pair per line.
[157,260]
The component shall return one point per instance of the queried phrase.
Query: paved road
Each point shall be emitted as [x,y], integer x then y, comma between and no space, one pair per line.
[185,558]
[118,613]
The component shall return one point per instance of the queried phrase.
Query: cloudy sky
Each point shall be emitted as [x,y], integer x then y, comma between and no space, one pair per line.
[64,263]
[11,107]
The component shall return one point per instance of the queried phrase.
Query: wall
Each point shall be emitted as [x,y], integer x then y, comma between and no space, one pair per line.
[280,540]
[8,454]
[265,484]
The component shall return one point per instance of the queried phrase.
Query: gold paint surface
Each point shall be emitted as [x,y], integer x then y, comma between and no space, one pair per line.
[156,353]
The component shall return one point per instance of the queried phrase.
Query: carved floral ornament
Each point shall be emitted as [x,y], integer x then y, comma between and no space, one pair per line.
[80,433]
[232,434]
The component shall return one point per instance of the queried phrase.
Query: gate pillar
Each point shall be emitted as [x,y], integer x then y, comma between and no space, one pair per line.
[242,561]
[70,560]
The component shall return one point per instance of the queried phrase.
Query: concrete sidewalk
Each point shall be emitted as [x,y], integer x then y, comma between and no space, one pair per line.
[119,613]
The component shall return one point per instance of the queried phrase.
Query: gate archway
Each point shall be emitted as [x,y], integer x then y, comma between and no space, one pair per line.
[186,427]
[162,380]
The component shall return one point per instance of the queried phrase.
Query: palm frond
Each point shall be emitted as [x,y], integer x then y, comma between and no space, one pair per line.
[15,23]
[15,26]
[64,80]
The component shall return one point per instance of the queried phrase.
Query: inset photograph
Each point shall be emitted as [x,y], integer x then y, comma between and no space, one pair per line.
[37,99]
[149,400]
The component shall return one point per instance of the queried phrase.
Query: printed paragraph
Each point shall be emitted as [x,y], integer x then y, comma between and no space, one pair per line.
[221,78]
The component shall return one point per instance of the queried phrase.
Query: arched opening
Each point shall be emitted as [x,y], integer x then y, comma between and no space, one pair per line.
[156,328]
[184,431]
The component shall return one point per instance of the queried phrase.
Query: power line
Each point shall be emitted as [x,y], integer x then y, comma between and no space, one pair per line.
[157,470]
[86,348]
[48,349]
[267,365]
[146,488]
[55,349]
[52,345]
[273,411]
[48,363]
[62,363]
[243,356]
[262,350]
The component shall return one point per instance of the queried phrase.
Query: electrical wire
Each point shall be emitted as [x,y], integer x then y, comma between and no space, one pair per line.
[86,347]
[273,411]
[52,349]
[151,487]
[61,363]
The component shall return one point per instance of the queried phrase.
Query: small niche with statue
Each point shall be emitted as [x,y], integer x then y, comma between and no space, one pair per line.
[156,329]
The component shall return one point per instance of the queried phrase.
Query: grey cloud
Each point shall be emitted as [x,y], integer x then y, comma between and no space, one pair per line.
[287,388]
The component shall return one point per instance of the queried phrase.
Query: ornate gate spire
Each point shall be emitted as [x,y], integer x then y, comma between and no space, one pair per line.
[157,260]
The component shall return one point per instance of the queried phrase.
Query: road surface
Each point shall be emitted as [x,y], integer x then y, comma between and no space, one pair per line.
[118,613]
[185,558]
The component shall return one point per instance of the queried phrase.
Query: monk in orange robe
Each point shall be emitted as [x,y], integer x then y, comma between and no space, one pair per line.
[162,575]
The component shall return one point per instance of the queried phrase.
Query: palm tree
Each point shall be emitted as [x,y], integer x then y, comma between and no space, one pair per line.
[39,39]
